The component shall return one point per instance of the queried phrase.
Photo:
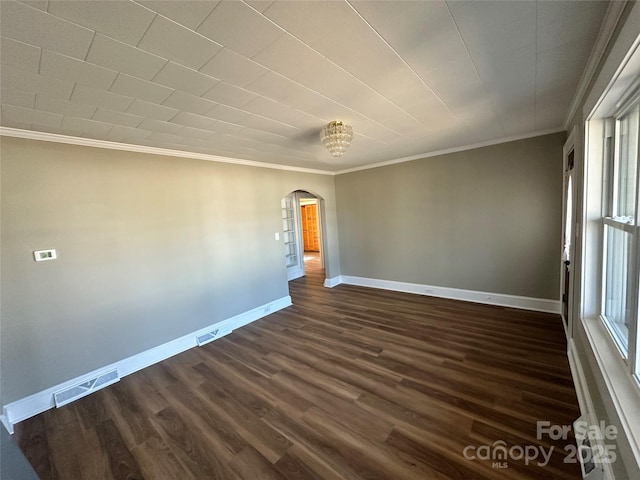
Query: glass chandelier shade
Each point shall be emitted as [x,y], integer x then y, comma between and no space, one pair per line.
[336,136]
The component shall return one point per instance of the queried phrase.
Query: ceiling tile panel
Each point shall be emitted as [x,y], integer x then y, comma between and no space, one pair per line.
[476,110]
[137,88]
[117,118]
[240,28]
[86,127]
[192,132]
[19,55]
[423,33]
[196,121]
[517,119]
[495,27]
[19,99]
[182,78]
[168,39]
[163,140]
[260,5]
[233,68]
[13,79]
[67,68]
[272,85]
[288,56]
[230,95]
[189,103]
[330,81]
[101,98]
[64,107]
[227,114]
[228,128]
[26,115]
[124,58]
[35,27]
[124,21]
[126,134]
[559,66]
[160,126]
[581,28]
[490,13]
[453,93]
[267,126]
[365,55]
[190,13]
[152,110]
[307,100]
[257,79]
[282,113]
[39,4]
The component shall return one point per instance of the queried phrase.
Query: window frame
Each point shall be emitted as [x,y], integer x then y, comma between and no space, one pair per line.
[611,184]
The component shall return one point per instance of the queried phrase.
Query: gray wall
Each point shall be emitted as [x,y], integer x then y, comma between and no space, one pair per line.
[487,219]
[150,248]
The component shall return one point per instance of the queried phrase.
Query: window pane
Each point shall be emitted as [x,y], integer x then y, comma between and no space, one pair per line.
[625,201]
[618,303]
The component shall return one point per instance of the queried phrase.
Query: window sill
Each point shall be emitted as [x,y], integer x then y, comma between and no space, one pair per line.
[622,387]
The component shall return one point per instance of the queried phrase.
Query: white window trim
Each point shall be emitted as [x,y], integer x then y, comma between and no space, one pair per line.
[623,387]
[620,70]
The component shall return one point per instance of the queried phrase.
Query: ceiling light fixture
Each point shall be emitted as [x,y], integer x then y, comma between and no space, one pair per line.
[336,136]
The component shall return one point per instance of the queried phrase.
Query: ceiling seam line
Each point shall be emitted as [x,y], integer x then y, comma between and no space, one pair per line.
[333,63]
[403,60]
[475,68]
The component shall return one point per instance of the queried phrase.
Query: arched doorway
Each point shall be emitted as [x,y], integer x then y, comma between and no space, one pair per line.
[302,233]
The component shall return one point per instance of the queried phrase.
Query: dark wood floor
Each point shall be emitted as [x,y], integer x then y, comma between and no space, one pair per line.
[348,383]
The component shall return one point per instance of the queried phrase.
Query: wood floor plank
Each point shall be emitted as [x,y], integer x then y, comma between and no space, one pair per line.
[190,446]
[122,463]
[34,443]
[347,383]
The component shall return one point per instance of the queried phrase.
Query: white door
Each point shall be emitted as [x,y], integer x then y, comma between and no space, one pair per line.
[291,235]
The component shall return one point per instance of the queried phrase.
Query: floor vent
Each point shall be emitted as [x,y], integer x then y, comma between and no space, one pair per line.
[78,391]
[586,452]
[212,335]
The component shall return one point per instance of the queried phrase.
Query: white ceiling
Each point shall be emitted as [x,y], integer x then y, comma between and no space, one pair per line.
[257,80]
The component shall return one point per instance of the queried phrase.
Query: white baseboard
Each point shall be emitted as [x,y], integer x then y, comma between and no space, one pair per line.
[579,381]
[39,402]
[526,303]
[332,282]
[587,410]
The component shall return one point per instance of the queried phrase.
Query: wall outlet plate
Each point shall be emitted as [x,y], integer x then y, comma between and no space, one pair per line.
[44,255]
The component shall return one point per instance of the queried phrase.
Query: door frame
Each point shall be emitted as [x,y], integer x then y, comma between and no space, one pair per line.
[297,270]
[317,201]
[568,271]
[297,195]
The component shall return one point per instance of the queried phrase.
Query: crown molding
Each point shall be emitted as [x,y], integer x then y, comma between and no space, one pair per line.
[607,29]
[462,148]
[88,142]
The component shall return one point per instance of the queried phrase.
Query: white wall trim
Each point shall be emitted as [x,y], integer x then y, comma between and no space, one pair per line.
[39,402]
[489,298]
[332,282]
[621,387]
[580,382]
[88,142]
[585,402]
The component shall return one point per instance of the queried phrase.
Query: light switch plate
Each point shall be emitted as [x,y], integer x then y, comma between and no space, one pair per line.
[44,255]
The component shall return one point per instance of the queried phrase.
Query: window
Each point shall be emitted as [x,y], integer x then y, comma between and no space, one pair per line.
[621,231]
